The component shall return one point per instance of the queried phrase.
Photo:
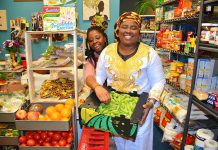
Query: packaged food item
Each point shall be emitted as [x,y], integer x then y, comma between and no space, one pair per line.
[174,77]
[192,43]
[187,47]
[179,67]
[182,81]
[173,66]
[200,95]
[213,31]
[182,47]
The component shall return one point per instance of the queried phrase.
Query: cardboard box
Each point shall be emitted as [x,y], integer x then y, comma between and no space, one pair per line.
[118,125]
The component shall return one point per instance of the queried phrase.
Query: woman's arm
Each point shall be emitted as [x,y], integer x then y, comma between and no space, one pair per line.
[156,80]
[94,85]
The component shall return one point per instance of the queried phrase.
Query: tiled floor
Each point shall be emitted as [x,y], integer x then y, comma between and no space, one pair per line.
[157,144]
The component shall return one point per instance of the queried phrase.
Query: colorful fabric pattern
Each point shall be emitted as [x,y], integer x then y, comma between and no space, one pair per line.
[126,16]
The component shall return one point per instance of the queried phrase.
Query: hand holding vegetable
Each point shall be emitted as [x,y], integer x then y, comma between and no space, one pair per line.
[102,94]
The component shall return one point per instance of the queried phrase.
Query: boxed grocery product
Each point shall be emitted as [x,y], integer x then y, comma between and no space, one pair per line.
[119,119]
[201,64]
[198,83]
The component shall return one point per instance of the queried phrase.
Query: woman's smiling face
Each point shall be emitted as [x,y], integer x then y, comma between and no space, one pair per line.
[129,32]
[96,41]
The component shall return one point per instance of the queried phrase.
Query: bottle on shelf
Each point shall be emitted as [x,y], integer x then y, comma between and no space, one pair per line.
[208,9]
[8,62]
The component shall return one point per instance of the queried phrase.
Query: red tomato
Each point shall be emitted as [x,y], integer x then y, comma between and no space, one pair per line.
[57,145]
[56,137]
[48,139]
[64,134]
[23,144]
[50,133]
[62,142]
[29,136]
[54,143]
[43,135]
[37,144]
[69,140]
[68,145]
[70,134]
[40,141]
[22,139]
[46,144]
[36,136]
[30,142]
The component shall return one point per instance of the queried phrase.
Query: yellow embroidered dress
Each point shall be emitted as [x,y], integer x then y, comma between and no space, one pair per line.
[142,72]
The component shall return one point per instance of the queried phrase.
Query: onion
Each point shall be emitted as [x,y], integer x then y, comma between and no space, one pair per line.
[36,108]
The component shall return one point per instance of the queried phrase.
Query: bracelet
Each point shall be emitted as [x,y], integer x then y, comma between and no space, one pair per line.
[150,100]
[96,86]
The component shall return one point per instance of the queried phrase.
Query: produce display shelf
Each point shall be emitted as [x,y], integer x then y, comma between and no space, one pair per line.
[180,19]
[43,124]
[208,47]
[6,140]
[44,148]
[210,1]
[11,71]
[10,117]
[7,117]
[204,106]
[168,3]
[176,52]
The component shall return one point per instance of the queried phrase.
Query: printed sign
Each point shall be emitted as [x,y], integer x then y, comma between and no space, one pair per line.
[3,20]
[58,18]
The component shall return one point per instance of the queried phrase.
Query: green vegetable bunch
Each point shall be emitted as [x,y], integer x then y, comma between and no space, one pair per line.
[120,104]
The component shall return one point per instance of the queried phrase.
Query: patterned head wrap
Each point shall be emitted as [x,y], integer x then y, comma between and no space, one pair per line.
[99,21]
[127,15]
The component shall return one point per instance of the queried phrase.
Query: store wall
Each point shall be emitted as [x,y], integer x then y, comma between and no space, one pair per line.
[25,9]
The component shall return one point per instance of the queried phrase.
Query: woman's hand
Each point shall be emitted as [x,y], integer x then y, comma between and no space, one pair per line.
[147,106]
[102,94]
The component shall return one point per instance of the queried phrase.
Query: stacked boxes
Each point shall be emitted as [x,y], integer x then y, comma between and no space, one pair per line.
[206,77]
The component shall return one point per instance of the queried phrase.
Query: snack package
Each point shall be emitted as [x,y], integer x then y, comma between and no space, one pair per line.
[171,130]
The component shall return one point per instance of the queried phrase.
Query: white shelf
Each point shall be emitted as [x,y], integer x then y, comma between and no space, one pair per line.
[147,15]
[149,31]
[53,68]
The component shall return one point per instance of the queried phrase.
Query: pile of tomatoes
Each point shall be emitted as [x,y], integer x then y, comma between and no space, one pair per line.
[47,138]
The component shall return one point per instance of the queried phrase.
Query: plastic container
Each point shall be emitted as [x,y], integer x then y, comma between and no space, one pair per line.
[8,62]
[92,139]
[213,32]
[182,81]
[174,76]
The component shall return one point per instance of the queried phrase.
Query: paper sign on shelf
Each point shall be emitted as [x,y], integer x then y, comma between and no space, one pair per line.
[58,18]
